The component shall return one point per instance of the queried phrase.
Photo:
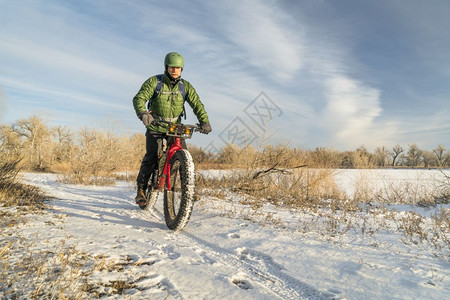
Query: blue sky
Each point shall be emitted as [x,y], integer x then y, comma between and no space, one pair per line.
[337,74]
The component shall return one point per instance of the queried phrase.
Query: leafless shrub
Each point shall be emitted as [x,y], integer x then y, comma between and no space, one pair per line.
[412,226]
[365,191]
[323,158]
[199,155]
[444,184]
[381,157]
[99,156]
[12,191]
[57,149]
[440,235]
[276,175]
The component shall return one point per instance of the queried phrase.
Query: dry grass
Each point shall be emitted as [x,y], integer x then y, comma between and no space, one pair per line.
[126,176]
[58,272]
[12,191]
[440,236]
[41,273]
[276,175]
[34,269]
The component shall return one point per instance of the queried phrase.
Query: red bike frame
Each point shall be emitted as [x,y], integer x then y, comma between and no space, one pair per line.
[175,133]
[175,145]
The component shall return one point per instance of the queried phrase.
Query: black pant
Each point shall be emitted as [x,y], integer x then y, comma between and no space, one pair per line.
[151,157]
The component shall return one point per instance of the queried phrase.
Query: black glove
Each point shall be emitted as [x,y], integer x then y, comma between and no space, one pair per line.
[146,118]
[205,128]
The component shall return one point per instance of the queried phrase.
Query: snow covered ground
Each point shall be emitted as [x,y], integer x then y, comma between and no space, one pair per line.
[229,251]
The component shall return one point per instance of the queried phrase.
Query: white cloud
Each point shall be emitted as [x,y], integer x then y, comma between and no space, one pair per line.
[351,110]
[264,37]
[98,57]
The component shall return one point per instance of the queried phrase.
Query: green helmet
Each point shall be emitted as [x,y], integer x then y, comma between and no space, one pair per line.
[174,59]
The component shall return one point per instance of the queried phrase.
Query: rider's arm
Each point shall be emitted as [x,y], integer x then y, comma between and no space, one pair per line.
[143,95]
[194,101]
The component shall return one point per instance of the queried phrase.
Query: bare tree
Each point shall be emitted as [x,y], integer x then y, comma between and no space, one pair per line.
[414,155]
[347,160]
[324,157]
[381,156]
[36,142]
[10,143]
[439,151]
[63,144]
[99,154]
[446,159]
[363,158]
[396,151]
[429,159]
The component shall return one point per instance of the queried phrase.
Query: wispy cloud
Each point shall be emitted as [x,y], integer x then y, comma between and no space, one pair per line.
[96,54]
[264,36]
[351,110]
[48,59]
[67,98]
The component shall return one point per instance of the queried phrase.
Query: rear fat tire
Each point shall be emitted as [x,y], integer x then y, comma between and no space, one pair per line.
[152,196]
[179,202]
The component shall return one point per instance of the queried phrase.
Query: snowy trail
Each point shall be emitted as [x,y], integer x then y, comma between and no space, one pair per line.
[245,268]
[242,267]
[217,257]
[251,266]
[257,267]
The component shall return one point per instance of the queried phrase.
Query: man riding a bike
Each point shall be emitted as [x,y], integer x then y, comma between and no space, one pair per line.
[166,95]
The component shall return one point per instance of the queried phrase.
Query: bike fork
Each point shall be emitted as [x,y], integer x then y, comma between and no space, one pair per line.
[164,180]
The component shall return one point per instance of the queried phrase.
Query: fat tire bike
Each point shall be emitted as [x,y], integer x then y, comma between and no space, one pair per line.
[174,175]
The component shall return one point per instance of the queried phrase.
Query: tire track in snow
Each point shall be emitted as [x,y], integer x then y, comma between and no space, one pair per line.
[258,267]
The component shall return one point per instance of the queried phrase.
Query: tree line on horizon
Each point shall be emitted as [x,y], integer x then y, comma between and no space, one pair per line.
[41,147]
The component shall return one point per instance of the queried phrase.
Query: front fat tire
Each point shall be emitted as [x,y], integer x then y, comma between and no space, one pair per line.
[179,202]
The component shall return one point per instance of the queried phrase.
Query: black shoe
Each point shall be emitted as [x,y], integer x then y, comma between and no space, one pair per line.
[140,198]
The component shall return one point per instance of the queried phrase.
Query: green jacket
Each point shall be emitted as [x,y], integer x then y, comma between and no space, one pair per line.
[169,103]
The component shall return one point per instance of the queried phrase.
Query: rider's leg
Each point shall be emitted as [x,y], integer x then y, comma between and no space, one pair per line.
[147,165]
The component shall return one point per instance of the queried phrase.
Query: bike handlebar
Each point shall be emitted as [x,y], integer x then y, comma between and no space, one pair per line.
[179,130]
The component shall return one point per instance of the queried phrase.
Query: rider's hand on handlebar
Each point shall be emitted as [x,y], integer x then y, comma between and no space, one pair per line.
[146,118]
[205,128]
